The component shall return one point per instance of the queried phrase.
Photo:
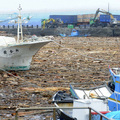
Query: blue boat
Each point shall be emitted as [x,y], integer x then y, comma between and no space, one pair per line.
[114,99]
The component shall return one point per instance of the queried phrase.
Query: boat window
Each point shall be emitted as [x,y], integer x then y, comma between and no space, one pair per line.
[11,51]
[17,50]
[5,52]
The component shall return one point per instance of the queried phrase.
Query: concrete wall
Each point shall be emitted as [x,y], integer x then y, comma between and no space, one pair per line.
[97,32]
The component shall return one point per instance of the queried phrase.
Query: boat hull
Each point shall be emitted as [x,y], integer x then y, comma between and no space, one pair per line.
[65,114]
[62,99]
[114,99]
[19,56]
[81,97]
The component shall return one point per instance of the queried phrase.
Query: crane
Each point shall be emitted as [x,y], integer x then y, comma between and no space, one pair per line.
[95,22]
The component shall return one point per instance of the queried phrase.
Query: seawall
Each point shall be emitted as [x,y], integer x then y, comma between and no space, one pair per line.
[95,32]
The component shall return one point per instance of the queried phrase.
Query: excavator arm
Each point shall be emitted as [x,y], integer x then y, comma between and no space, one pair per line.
[47,21]
[51,22]
[113,20]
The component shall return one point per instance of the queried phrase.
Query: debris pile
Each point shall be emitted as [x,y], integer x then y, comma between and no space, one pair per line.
[55,66]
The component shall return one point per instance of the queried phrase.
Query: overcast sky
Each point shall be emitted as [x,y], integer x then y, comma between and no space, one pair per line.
[59,6]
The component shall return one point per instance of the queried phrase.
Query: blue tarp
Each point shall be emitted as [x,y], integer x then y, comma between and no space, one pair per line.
[75,33]
[113,115]
[63,35]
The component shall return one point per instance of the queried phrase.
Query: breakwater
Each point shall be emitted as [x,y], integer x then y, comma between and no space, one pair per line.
[94,31]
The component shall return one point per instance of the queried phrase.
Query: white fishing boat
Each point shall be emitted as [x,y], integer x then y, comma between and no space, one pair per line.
[16,54]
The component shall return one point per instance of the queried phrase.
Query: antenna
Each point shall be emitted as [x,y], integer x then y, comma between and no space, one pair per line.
[19,31]
[108,8]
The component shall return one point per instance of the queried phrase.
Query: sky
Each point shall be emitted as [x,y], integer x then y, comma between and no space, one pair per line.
[60,6]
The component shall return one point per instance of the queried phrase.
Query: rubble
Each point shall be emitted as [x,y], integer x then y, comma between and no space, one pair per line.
[55,66]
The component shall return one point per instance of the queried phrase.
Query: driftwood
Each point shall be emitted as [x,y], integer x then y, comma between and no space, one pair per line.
[30,89]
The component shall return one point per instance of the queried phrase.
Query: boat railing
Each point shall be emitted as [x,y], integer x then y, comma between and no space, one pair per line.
[92,85]
[116,71]
[53,109]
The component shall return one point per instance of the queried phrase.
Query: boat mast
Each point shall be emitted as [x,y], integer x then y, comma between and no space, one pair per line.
[19,31]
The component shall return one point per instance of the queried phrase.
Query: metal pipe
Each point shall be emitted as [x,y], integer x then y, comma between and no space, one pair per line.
[89,113]
[99,113]
[43,108]
[54,111]
[54,114]
[16,115]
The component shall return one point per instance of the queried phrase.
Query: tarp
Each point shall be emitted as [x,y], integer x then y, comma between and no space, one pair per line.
[74,33]
[115,115]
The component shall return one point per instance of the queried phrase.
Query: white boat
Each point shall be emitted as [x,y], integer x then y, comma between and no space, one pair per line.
[17,54]
[95,97]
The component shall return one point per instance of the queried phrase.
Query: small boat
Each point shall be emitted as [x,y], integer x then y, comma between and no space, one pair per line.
[95,97]
[17,54]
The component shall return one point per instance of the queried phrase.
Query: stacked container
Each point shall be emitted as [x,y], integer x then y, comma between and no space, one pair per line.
[67,19]
[85,17]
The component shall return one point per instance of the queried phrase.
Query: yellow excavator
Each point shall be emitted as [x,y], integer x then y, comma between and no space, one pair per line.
[96,22]
[51,23]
